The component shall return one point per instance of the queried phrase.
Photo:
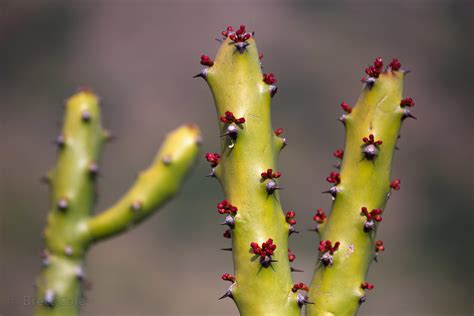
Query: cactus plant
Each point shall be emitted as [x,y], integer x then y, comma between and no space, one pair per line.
[71,228]
[360,192]
[262,283]
[246,169]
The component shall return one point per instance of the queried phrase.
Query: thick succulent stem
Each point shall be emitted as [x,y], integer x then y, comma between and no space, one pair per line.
[338,284]
[70,229]
[262,285]
[154,186]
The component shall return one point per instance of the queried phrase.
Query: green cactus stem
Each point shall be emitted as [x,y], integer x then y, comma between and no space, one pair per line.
[360,192]
[71,228]
[242,94]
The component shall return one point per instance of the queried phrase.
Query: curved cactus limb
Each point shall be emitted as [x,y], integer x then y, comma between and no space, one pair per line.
[70,229]
[360,193]
[249,148]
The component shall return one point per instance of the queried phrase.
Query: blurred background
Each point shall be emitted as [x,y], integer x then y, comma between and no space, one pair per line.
[139,56]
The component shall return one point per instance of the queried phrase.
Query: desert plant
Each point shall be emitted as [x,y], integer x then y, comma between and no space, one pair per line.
[71,228]
[246,168]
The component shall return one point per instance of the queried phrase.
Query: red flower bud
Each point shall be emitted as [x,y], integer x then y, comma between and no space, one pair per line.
[206,61]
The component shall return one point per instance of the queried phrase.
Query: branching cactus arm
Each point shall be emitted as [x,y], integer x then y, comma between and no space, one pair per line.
[70,229]
[246,169]
[360,192]
[154,186]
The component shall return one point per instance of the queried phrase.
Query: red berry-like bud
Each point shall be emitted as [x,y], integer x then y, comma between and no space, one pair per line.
[379,246]
[338,154]
[374,71]
[334,177]
[366,285]
[395,64]
[346,107]
[224,207]
[291,256]
[395,184]
[278,131]
[371,140]
[213,158]
[230,118]
[320,216]
[299,286]
[269,78]
[260,56]
[228,277]
[378,63]
[407,102]
[206,61]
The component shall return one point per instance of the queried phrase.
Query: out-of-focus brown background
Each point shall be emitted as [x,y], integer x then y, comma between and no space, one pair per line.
[139,56]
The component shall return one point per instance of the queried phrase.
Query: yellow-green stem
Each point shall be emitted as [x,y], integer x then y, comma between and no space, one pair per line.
[237,85]
[70,228]
[336,289]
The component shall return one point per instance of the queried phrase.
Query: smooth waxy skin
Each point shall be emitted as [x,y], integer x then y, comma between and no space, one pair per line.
[336,289]
[237,85]
[71,230]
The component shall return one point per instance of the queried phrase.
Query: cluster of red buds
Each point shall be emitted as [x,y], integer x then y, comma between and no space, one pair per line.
[346,108]
[269,78]
[230,118]
[327,250]
[395,184]
[371,140]
[339,153]
[269,174]
[371,145]
[278,131]
[379,246]
[394,65]
[334,177]
[290,218]
[260,56]
[213,159]
[407,102]
[299,286]
[326,246]
[229,30]
[375,70]
[291,256]
[320,217]
[367,286]
[238,36]
[224,207]
[206,61]
[228,277]
[373,216]
[265,252]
